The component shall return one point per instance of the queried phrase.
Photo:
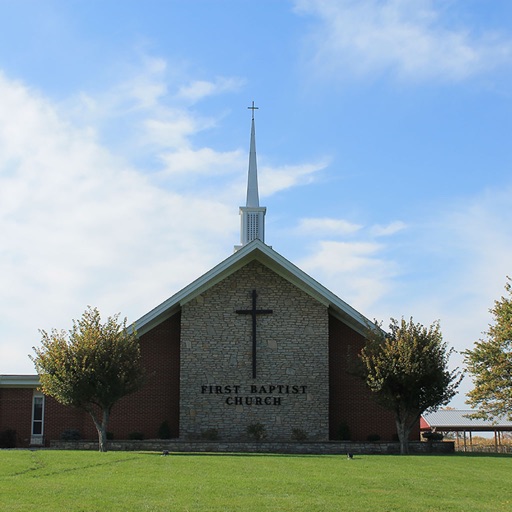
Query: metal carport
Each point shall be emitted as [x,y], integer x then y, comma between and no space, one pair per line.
[460,421]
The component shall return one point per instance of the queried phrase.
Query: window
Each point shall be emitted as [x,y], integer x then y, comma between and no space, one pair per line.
[37,415]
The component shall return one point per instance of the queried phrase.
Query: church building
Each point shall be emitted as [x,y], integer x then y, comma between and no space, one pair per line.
[254,341]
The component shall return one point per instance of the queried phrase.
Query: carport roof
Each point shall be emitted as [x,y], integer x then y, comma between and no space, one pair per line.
[452,420]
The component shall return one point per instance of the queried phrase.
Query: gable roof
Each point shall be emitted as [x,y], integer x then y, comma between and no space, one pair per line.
[255,250]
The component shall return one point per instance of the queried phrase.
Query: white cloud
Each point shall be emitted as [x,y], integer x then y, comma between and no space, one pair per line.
[480,230]
[146,87]
[274,179]
[203,161]
[141,89]
[170,129]
[79,226]
[321,227]
[200,89]
[388,229]
[410,38]
[356,271]
[84,222]
[142,113]
[326,226]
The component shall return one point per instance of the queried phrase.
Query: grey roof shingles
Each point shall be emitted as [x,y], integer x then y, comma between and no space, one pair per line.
[460,419]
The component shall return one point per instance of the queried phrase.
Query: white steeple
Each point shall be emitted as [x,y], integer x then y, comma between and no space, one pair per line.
[252,215]
[253,200]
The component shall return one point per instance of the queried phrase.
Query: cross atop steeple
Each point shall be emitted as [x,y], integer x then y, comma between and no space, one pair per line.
[253,108]
[252,216]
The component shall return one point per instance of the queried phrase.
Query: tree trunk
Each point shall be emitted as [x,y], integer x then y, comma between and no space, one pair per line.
[102,439]
[405,420]
[101,427]
[403,436]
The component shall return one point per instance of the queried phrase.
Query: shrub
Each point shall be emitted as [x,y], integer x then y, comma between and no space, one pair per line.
[344,432]
[164,432]
[110,436]
[136,436]
[373,438]
[71,434]
[256,431]
[299,434]
[433,436]
[212,434]
[8,438]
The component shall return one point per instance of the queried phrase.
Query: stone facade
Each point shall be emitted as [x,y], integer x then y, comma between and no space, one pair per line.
[290,394]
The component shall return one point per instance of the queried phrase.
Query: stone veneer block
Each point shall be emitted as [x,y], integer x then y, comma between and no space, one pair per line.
[291,390]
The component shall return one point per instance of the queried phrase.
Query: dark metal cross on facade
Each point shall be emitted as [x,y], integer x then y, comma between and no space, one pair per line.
[254,312]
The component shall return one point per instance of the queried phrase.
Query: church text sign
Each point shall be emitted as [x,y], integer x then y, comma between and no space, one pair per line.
[270,394]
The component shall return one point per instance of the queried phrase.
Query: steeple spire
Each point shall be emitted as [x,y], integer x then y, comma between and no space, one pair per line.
[252,216]
[252,181]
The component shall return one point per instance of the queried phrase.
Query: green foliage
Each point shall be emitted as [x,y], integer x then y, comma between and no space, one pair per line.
[73,481]
[8,438]
[299,435]
[490,364]
[433,436]
[344,432]
[71,434]
[164,431]
[373,438]
[136,436]
[407,371]
[257,431]
[91,367]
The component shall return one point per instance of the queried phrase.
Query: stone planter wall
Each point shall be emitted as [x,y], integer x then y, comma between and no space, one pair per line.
[318,448]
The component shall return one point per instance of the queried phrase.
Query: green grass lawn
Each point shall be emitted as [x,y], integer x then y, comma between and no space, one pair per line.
[47,480]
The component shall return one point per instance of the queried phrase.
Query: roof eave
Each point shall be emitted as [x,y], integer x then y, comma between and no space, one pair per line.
[19,381]
[255,250]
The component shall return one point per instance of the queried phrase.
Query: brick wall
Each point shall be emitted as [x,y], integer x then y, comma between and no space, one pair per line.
[58,418]
[350,403]
[217,387]
[16,412]
[143,411]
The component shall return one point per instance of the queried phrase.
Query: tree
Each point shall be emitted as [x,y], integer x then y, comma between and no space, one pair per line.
[490,364]
[407,371]
[91,367]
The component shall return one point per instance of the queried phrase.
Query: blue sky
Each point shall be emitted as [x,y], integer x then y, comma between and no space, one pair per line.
[383,140]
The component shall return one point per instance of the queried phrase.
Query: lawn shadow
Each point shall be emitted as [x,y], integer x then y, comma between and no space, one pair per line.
[480,455]
[238,454]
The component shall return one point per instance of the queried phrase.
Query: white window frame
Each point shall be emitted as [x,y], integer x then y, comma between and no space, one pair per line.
[37,439]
